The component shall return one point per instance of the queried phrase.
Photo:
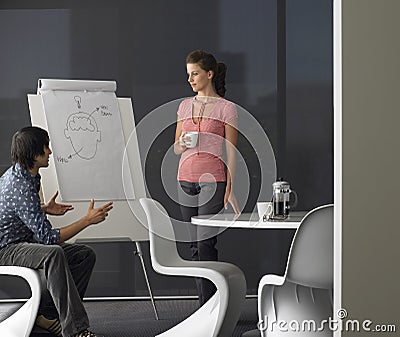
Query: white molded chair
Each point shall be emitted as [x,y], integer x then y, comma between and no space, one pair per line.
[20,323]
[304,294]
[219,315]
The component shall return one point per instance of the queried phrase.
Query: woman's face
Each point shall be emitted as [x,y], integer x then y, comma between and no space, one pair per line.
[198,78]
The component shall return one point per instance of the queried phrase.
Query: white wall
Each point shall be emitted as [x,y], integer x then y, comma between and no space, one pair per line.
[371,161]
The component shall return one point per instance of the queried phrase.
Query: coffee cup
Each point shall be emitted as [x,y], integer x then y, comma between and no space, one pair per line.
[264,209]
[191,139]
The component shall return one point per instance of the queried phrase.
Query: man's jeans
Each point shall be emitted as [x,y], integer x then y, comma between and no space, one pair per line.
[65,270]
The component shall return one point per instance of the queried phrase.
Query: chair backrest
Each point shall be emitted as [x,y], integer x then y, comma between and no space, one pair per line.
[163,249]
[310,260]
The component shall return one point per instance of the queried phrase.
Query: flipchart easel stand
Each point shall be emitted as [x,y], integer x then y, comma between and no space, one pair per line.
[127,218]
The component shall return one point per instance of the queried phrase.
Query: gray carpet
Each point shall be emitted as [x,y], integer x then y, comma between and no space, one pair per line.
[136,318]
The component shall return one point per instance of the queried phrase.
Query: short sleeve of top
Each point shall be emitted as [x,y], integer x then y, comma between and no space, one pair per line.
[204,162]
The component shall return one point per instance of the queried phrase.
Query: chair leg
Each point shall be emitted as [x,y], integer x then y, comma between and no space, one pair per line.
[17,324]
[20,323]
[252,333]
[200,324]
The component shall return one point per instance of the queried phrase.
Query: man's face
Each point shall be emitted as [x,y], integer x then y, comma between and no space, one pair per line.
[43,159]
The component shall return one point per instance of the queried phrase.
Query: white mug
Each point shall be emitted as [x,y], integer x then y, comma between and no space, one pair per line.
[193,135]
[264,208]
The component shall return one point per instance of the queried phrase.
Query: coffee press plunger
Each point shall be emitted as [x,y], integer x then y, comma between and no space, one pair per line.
[281,199]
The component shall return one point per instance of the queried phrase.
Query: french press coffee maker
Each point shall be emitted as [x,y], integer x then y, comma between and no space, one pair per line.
[281,200]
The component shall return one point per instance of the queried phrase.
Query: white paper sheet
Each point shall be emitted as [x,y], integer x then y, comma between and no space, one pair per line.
[86,138]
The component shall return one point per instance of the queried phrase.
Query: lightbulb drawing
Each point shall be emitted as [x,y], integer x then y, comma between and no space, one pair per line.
[78,101]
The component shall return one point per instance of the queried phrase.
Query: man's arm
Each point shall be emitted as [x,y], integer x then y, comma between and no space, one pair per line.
[29,211]
[54,208]
[93,216]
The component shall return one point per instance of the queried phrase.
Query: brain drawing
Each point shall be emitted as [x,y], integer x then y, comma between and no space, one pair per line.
[82,131]
[77,123]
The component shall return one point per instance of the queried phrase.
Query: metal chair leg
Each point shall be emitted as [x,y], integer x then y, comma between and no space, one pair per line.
[140,254]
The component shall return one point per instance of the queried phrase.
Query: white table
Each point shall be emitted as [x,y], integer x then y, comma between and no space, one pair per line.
[248,220]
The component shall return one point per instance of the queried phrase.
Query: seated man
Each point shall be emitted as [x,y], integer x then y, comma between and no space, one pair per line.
[28,239]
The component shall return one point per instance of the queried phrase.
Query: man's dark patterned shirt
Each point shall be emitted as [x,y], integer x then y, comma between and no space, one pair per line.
[21,215]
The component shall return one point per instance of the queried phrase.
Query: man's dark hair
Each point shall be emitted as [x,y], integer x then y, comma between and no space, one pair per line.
[28,143]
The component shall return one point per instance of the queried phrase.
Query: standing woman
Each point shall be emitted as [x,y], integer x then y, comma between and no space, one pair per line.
[205,182]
